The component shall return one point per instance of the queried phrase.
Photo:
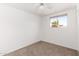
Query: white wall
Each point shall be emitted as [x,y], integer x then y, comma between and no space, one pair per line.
[66,36]
[78,24]
[17,29]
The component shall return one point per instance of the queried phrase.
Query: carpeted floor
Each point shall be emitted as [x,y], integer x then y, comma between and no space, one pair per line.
[43,49]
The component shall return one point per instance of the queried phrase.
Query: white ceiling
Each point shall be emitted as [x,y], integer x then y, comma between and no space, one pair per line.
[34,7]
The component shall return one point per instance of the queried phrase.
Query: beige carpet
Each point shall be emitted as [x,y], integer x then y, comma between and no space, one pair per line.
[43,49]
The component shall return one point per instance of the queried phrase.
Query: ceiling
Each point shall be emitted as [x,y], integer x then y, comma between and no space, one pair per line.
[34,7]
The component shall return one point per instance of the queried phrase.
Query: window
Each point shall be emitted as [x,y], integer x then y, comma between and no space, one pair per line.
[58,21]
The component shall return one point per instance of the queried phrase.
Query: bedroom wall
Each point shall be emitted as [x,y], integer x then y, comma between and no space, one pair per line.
[66,36]
[78,25]
[17,29]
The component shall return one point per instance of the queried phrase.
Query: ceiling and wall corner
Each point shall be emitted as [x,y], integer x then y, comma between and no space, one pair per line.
[34,7]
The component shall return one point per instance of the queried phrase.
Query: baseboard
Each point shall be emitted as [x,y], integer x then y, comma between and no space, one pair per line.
[31,42]
[59,45]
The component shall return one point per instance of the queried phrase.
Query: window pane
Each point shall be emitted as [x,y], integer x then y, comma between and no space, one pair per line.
[59,21]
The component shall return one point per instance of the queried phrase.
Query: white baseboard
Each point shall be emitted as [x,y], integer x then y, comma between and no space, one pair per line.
[58,44]
[29,43]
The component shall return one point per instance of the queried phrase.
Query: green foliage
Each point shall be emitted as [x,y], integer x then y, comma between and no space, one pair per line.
[55,23]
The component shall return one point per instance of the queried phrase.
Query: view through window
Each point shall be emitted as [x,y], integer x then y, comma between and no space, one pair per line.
[58,21]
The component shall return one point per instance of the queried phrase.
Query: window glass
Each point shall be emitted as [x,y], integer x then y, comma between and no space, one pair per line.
[59,21]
